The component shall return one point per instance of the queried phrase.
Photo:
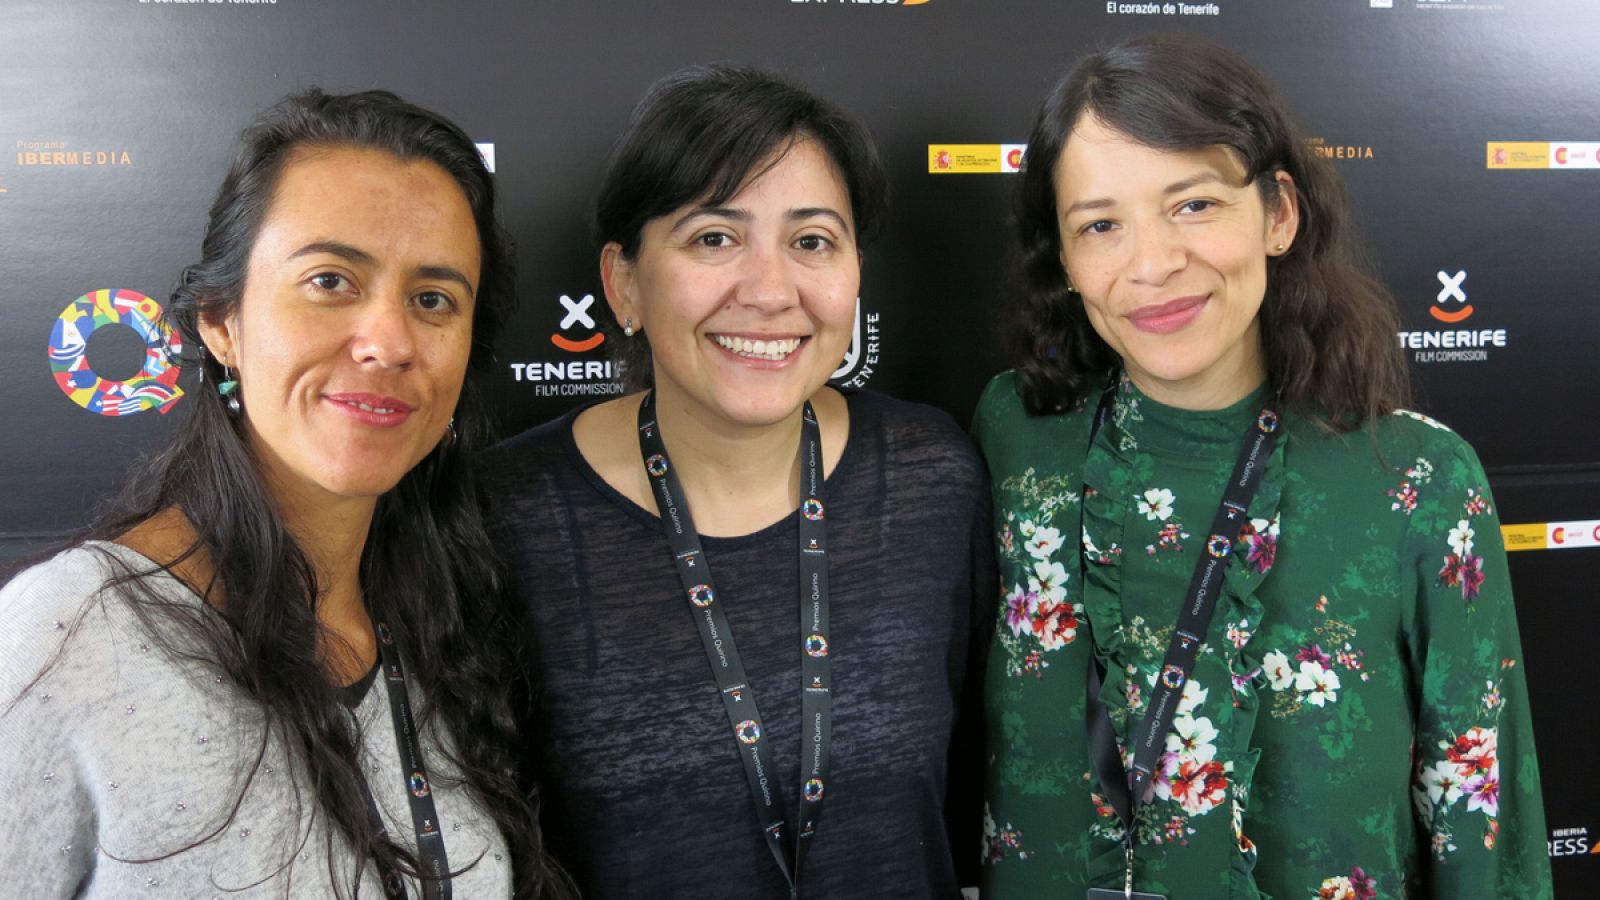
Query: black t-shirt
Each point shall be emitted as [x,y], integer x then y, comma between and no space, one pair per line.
[644,791]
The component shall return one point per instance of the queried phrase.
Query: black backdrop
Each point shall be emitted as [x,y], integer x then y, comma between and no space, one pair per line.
[116,117]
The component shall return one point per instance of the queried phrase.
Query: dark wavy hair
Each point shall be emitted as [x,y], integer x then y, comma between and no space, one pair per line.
[1327,324]
[427,568]
[701,134]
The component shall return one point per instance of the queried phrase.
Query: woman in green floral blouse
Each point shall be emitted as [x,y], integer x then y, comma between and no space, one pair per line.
[1355,724]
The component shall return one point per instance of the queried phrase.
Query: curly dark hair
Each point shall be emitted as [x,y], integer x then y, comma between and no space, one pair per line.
[427,568]
[1327,324]
[699,135]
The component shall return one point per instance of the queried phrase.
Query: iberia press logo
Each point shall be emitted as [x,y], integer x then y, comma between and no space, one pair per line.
[1450,305]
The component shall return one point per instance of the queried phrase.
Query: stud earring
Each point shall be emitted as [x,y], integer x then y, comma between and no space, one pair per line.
[1280,248]
[627,328]
[449,433]
[229,389]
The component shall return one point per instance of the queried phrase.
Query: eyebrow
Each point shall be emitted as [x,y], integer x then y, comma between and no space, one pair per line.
[361,257]
[1177,187]
[740,215]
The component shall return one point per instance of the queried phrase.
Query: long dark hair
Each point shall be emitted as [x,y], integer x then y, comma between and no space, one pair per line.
[427,568]
[698,135]
[1327,325]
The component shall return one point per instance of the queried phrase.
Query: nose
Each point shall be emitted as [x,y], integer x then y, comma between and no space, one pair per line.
[766,281]
[1156,253]
[384,333]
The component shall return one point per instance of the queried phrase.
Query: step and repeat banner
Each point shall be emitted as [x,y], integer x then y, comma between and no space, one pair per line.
[1467,131]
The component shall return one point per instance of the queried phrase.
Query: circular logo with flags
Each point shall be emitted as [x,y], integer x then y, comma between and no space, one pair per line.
[1267,421]
[656,465]
[748,731]
[1218,546]
[1172,677]
[811,509]
[813,790]
[816,645]
[700,595]
[419,784]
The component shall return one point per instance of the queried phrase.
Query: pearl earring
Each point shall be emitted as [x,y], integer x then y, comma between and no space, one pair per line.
[627,327]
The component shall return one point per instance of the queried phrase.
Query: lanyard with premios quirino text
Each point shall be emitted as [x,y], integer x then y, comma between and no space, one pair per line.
[738,696]
[1126,790]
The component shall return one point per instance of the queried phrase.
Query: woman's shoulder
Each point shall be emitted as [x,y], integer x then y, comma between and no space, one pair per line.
[48,602]
[1397,442]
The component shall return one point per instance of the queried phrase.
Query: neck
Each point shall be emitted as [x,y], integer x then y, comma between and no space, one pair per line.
[737,478]
[1219,387]
[332,532]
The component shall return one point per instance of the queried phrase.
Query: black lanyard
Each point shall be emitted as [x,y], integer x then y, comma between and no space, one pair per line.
[738,696]
[431,858]
[1126,790]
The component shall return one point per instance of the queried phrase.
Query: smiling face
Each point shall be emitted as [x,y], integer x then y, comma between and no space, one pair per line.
[351,339]
[1169,252]
[748,305]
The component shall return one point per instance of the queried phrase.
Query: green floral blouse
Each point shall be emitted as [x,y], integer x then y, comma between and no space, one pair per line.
[1357,724]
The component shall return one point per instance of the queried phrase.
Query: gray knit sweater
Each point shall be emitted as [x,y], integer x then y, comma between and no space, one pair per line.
[122,754]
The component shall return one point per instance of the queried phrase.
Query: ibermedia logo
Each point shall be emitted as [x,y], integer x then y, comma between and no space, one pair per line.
[576,334]
[861,359]
[1450,307]
[59,154]
[1339,151]
[154,386]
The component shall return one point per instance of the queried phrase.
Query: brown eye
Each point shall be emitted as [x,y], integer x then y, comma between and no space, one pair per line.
[329,281]
[433,301]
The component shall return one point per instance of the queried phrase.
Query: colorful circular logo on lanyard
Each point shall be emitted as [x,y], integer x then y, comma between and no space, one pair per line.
[700,595]
[816,645]
[811,509]
[419,784]
[1267,421]
[813,790]
[1172,677]
[156,384]
[1218,546]
[748,731]
[656,465]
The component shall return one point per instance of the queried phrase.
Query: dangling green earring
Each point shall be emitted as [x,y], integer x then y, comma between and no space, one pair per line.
[230,390]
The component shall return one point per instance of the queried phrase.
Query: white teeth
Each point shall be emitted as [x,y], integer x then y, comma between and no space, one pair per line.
[771,350]
[384,410]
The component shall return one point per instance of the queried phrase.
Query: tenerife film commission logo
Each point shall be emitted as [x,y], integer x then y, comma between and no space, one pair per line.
[1450,307]
[575,370]
[861,358]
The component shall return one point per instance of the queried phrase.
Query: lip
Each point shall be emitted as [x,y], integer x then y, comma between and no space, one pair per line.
[384,411]
[1165,318]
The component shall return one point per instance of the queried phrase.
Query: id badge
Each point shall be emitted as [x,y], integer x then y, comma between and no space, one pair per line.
[1109,894]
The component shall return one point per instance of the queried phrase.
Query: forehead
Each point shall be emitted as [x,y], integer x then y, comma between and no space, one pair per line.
[797,168]
[372,199]
[1098,160]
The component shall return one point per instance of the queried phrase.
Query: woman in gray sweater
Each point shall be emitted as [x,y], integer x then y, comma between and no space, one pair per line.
[264,675]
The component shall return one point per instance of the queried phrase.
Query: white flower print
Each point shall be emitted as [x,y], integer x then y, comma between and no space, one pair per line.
[1280,675]
[1043,543]
[1442,781]
[1318,684]
[1194,740]
[1156,504]
[1194,696]
[1049,580]
[1027,528]
[1461,538]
